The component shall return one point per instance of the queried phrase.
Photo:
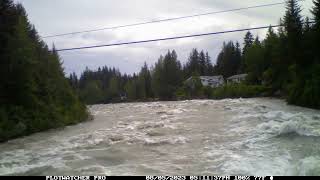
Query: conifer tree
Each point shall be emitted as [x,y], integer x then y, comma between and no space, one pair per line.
[209,65]
[293,28]
[248,41]
[316,13]
[316,28]
[202,64]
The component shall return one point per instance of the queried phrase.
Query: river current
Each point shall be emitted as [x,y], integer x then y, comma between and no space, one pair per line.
[258,136]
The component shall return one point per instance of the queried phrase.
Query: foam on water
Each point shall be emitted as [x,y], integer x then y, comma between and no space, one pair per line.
[259,153]
[227,137]
[309,166]
[256,164]
[279,123]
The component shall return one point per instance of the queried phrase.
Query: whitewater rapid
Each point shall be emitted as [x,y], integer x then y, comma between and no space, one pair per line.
[258,136]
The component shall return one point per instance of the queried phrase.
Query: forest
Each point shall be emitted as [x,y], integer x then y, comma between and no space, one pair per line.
[34,93]
[285,64]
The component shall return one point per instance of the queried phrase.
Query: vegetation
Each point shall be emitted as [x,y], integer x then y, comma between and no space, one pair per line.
[238,91]
[34,93]
[193,88]
[163,81]
[285,63]
[229,60]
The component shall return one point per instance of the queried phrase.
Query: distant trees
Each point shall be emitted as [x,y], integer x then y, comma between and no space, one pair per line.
[92,93]
[131,89]
[199,63]
[286,62]
[248,42]
[73,80]
[229,60]
[144,81]
[255,62]
[34,94]
[162,81]
[107,84]
[167,76]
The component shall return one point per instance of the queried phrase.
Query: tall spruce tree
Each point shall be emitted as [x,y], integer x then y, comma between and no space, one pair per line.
[202,64]
[167,76]
[209,66]
[316,13]
[254,59]
[145,82]
[238,57]
[228,61]
[293,26]
[316,28]
[248,41]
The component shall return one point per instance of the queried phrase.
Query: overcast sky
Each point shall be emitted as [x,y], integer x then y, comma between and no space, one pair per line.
[62,16]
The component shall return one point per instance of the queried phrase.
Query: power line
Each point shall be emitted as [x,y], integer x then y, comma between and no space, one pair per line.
[163,20]
[169,38]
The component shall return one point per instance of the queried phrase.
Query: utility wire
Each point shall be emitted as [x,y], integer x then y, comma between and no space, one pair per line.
[163,20]
[169,38]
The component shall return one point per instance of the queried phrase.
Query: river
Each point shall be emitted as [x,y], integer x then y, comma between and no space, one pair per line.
[258,136]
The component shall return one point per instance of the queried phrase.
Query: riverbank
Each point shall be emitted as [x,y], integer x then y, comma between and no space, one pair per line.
[229,91]
[19,130]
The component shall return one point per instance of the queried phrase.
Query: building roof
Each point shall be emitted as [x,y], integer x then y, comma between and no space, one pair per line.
[238,76]
[211,77]
[208,78]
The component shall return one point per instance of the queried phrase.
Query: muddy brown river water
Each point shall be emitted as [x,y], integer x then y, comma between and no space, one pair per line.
[258,136]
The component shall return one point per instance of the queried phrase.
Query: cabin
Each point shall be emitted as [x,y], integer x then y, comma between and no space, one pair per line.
[212,81]
[237,78]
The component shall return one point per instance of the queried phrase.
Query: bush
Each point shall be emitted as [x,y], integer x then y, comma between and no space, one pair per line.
[15,125]
[238,91]
[306,92]
[182,93]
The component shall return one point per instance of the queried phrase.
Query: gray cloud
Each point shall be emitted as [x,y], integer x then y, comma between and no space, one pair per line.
[60,16]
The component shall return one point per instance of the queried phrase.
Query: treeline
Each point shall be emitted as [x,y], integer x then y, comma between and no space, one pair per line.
[286,63]
[288,60]
[160,81]
[34,93]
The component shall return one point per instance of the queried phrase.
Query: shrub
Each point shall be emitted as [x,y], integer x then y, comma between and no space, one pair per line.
[238,91]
